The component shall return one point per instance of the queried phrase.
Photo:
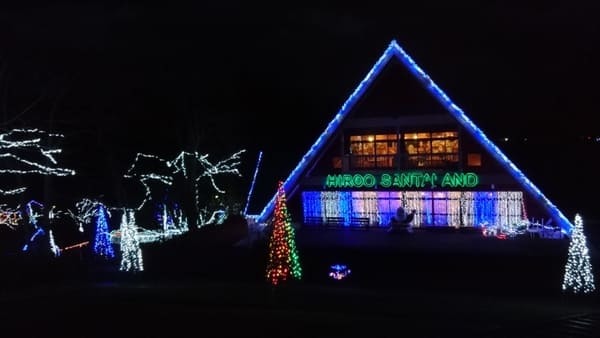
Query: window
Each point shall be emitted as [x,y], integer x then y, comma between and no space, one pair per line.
[435,149]
[373,150]
[336,162]
[419,150]
[474,160]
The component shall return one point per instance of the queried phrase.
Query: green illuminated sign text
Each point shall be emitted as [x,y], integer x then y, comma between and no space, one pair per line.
[403,180]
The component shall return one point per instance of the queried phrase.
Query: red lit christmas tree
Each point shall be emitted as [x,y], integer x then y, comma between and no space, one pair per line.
[283,254]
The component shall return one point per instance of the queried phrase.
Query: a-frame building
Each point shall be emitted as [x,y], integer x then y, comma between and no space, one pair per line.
[399,140]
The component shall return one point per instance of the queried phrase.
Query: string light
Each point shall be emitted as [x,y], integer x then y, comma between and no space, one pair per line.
[33,216]
[53,247]
[178,165]
[28,142]
[578,276]
[102,244]
[283,259]
[339,271]
[75,246]
[394,50]
[87,209]
[131,253]
[10,217]
[172,222]
[452,208]
[253,182]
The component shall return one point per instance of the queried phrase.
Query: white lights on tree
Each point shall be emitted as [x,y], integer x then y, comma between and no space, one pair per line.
[131,253]
[148,168]
[24,151]
[87,209]
[173,222]
[33,216]
[140,170]
[53,247]
[578,276]
[10,217]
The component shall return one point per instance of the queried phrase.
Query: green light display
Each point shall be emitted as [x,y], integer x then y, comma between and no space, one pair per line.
[403,180]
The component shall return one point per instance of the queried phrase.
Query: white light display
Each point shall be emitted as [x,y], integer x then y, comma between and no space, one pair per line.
[578,276]
[10,217]
[179,166]
[172,222]
[22,152]
[53,247]
[87,209]
[131,253]
[33,216]
[339,271]
[395,51]
[31,213]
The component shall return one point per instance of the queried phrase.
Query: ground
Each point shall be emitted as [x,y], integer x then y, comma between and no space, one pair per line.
[425,284]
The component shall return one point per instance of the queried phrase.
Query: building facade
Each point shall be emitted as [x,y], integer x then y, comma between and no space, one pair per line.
[399,141]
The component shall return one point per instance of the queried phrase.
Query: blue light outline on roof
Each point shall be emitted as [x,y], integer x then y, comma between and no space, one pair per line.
[395,50]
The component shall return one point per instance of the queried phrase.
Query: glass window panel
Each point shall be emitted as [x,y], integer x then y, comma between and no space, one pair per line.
[452,146]
[444,134]
[368,148]
[474,160]
[438,146]
[424,147]
[382,148]
[392,147]
[416,136]
[411,147]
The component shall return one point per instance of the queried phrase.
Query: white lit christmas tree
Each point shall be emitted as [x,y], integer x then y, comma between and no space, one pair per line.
[578,271]
[131,253]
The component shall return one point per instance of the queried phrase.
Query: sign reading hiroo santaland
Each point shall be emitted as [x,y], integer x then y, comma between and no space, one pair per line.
[411,179]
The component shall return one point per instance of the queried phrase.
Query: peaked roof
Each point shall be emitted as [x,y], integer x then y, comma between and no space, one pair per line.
[394,50]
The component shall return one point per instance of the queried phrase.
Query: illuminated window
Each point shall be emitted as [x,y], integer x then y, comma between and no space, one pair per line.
[436,149]
[373,150]
[474,160]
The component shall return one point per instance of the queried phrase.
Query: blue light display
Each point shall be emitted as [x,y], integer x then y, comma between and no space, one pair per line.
[102,243]
[484,207]
[253,182]
[439,208]
[394,50]
[339,271]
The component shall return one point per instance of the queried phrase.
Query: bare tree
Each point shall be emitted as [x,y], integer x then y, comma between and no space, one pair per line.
[185,168]
[26,151]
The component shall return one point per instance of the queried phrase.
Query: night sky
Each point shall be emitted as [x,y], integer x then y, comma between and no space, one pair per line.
[120,77]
